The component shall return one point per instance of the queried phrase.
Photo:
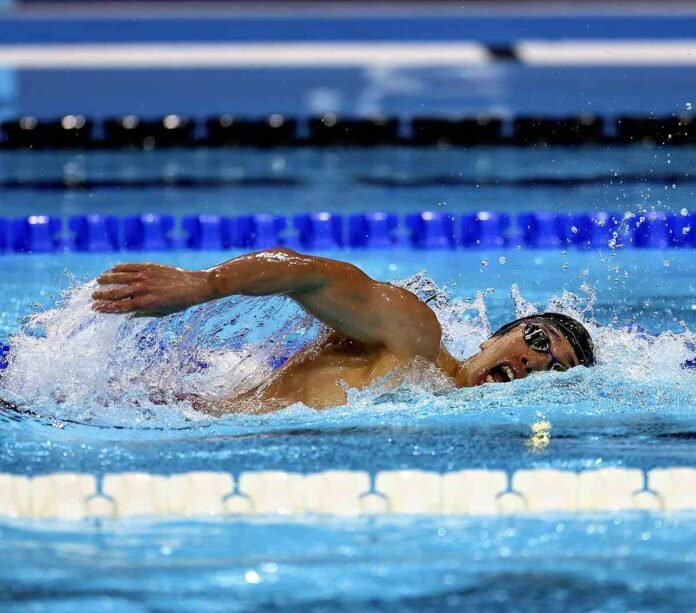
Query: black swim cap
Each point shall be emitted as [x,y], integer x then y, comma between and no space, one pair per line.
[575,333]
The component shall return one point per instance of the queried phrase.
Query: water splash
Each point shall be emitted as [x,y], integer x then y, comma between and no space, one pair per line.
[72,363]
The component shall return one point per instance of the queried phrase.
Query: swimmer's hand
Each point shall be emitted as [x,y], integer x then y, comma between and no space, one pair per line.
[150,290]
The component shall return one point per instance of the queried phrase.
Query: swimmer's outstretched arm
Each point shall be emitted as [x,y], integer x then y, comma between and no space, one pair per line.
[337,293]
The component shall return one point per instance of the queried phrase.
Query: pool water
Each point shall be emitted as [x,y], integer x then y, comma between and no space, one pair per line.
[394,179]
[637,563]
[89,378]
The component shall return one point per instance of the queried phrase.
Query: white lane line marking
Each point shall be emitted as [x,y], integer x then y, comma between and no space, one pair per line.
[608,53]
[289,55]
[241,55]
[75,496]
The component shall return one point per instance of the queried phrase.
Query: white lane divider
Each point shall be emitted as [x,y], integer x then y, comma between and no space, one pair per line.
[411,491]
[272,55]
[547,489]
[676,487]
[607,52]
[473,492]
[637,52]
[609,489]
[75,496]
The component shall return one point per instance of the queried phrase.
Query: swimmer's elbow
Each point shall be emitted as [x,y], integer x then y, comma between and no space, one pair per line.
[281,252]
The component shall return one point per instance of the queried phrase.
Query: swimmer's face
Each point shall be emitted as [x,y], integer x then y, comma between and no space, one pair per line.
[527,348]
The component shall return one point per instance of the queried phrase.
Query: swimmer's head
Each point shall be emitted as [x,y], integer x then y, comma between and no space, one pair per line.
[537,343]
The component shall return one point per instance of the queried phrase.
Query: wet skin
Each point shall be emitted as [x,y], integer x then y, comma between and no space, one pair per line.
[373,328]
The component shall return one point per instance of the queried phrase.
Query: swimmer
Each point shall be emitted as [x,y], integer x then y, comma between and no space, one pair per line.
[373,328]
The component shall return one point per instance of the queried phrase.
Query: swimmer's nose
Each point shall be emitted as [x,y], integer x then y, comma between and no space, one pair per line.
[527,364]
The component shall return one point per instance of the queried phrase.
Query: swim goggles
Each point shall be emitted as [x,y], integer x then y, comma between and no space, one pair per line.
[538,340]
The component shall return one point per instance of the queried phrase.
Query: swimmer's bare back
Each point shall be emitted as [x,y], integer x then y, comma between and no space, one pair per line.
[374,326]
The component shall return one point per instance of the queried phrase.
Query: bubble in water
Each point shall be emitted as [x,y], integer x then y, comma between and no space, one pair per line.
[574,229]
[484,262]
[502,259]
[684,212]
[689,106]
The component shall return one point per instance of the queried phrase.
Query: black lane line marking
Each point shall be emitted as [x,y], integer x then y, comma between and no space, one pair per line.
[503,52]
[448,180]
[385,181]
[156,182]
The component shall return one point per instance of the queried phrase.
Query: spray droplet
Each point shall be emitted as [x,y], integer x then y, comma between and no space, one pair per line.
[251,576]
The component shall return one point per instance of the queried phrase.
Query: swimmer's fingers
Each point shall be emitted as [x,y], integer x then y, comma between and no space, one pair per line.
[118,278]
[113,306]
[118,293]
[140,306]
[133,267]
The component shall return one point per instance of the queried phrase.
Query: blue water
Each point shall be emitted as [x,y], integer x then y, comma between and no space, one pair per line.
[637,563]
[392,179]
[635,409]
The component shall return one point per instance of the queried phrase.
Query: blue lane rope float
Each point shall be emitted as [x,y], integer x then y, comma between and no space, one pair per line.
[226,130]
[326,231]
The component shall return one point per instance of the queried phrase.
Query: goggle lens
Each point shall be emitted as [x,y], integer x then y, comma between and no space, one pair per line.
[538,339]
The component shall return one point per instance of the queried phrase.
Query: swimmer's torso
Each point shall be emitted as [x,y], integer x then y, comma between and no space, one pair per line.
[318,375]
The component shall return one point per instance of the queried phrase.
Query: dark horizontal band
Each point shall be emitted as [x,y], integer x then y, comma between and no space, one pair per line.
[71,182]
[131,131]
